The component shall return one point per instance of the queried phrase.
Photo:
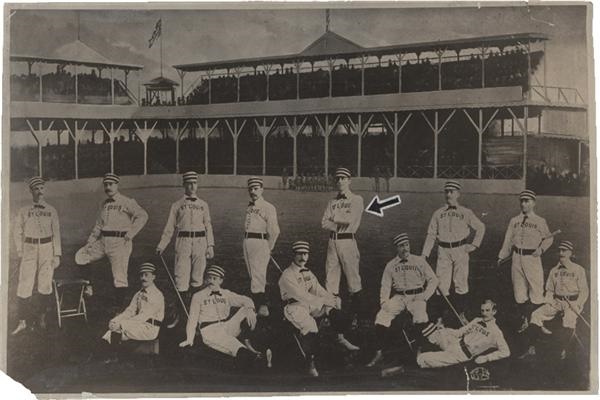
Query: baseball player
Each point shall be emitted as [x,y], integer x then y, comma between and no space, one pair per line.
[261,233]
[211,309]
[407,283]
[566,293]
[480,340]
[342,219]
[527,238]
[37,240]
[120,218]
[305,299]
[451,225]
[141,320]
[190,218]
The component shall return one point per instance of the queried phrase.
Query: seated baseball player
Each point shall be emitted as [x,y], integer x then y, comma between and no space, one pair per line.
[142,319]
[566,293]
[480,340]
[407,283]
[211,309]
[305,299]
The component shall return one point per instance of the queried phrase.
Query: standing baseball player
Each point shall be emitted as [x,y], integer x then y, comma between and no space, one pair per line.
[305,299]
[451,225]
[480,340]
[342,219]
[261,233]
[211,309]
[527,238]
[566,293]
[407,283]
[37,240]
[190,218]
[120,218]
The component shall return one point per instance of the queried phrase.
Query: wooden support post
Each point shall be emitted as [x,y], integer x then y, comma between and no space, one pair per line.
[267,69]
[440,54]
[483,51]
[178,133]
[331,64]
[235,133]
[363,62]
[545,82]
[480,128]
[41,88]
[205,132]
[396,129]
[237,71]
[181,76]
[327,129]
[399,57]
[295,129]
[209,74]
[39,135]
[529,72]
[112,87]
[144,134]
[75,135]
[297,64]
[112,134]
[360,128]
[76,86]
[437,129]
[523,127]
[264,129]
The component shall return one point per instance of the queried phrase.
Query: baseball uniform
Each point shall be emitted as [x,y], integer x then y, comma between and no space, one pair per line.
[464,344]
[189,217]
[118,217]
[566,291]
[525,233]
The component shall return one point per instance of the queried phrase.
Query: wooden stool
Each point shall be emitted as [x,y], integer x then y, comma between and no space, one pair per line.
[65,312]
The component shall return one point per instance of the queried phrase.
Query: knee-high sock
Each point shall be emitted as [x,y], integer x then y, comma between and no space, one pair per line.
[259,299]
[24,308]
[381,336]
[308,343]
[563,336]
[356,300]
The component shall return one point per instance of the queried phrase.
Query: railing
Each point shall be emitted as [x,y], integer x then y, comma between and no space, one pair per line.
[415,171]
[457,171]
[557,95]
[462,171]
[502,172]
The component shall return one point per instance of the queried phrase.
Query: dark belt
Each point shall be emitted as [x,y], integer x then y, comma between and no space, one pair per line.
[465,349]
[568,298]
[154,322]
[256,235]
[523,252]
[451,245]
[114,233]
[38,240]
[410,291]
[339,236]
[205,324]
[191,234]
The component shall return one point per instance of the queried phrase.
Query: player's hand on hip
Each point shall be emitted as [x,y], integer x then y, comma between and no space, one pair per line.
[55,262]
[480,360]
[470,247]
[186,343]
[210,252]
[127,238]
[537,252]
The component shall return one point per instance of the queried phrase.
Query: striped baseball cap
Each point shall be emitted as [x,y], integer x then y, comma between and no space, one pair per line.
[111,178]
[190,176]
[255,181]
[35,181]
[400,239]
[215,270]
[147,267]
[452,185]
[342,173]
[429,329]
[301,246]
[565,245]
[527,195]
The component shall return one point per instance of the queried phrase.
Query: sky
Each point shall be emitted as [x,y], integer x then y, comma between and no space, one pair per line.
[209,35]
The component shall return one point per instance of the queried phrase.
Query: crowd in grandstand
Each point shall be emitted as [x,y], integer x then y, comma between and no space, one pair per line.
[548,180]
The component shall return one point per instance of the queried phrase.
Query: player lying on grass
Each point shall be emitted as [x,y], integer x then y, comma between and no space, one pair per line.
[211,309]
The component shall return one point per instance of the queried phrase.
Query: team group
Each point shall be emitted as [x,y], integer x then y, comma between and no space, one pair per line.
[226,320]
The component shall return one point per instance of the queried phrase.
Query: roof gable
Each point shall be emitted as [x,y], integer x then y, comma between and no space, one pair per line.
[330,43]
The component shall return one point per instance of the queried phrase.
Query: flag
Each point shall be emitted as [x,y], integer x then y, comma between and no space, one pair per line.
[156,34]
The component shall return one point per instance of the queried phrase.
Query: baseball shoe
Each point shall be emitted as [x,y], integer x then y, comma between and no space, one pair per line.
[392,371]
[20,327]
[312,369]
[529,353]
[346,344]
[524,326]
[88,291]
[269,357]
[174,323]
[250,347]
[263,311]
[376,359]
[545,330]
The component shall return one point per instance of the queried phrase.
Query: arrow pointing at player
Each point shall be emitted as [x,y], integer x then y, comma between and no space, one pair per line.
[377,206]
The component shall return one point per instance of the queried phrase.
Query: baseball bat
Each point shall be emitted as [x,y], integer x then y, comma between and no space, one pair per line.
[451,306]
[174,286]
[505,259]
[276,264]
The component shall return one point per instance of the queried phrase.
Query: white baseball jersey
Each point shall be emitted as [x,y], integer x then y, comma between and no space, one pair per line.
[343,213]
[261,217]
[37,221]
[146,304]
[452,224]
[480,336]
[188,214]
[213,305]
[567,279]
[300,284]
[526,232]
[121,214]
[407,274]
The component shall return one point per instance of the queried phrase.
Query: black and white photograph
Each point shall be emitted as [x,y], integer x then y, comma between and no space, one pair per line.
[221,199]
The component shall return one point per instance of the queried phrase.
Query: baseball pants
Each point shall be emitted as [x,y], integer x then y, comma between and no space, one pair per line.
[138,330]
[413,303]
[451,353]
[222,336]
[549,311]
[302,317]
[37,260]
[342,254]
[116,249]
[527,278]
[190,262]
[453,265]
[257,254]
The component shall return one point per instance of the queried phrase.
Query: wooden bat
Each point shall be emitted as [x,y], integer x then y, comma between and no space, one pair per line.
[552,234]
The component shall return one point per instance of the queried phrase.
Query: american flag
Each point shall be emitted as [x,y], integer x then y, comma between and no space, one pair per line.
[156,34]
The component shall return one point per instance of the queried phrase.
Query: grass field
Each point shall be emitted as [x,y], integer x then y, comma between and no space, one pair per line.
[58,361]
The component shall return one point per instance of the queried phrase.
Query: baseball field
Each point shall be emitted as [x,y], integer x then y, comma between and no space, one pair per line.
[69,359]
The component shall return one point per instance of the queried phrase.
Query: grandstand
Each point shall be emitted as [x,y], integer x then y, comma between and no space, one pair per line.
[459,108]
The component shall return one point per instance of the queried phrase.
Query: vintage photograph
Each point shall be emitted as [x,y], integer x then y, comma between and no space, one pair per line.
[299,198]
